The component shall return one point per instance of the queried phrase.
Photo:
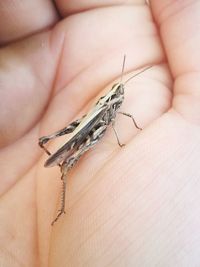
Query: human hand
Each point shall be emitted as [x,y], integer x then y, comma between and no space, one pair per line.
[135,206]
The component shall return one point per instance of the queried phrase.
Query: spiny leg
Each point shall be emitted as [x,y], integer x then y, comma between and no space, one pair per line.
[130,116]
[71,161]
[66,166]
[119,143]
[62,208]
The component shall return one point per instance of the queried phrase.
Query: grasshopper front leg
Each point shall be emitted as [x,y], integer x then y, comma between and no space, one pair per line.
[113,126]
[130,116]
[115,132]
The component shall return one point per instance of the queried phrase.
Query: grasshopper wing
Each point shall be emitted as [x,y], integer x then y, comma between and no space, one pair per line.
[76,137]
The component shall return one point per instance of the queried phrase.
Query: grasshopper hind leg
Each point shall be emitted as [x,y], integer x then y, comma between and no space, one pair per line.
[62,209]
[66,130]
[68,163]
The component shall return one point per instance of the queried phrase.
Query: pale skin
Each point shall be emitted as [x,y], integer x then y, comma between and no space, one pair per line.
[131,206]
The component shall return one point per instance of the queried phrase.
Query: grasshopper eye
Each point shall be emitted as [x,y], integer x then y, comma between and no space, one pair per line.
[101,100]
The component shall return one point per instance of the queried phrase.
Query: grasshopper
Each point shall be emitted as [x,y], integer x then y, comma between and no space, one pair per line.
[84,133]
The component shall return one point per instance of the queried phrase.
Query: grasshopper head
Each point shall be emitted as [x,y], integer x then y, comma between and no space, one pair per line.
[118,89]
[116,92]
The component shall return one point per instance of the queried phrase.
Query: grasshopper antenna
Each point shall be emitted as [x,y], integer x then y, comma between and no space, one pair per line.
[123,65]
[138,74]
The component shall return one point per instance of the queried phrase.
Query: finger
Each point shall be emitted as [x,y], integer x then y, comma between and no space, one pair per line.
[27,76]
[68,7]
[178,22]
[113,32]
[22,18]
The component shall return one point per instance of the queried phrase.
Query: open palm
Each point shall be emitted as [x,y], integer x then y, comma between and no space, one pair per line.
[130,206]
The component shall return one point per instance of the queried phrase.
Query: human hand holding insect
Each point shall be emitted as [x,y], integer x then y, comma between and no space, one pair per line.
[119,201]
[84,133]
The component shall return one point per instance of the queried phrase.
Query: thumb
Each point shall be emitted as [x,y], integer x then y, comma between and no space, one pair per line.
[178,22]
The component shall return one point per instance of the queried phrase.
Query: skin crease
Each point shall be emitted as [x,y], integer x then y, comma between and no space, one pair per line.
[131,206]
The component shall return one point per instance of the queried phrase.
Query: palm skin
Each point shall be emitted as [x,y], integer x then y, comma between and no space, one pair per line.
[130,206]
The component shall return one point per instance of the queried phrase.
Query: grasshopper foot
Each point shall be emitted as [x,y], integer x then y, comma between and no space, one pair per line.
[60,212]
